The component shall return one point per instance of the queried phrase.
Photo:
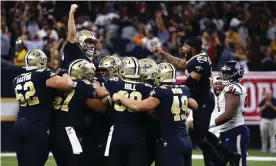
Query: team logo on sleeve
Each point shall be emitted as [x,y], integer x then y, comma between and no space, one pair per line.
[152,92]
[198,68]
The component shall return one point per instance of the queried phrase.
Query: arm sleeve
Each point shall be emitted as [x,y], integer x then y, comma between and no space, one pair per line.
[88,90]
[156,93]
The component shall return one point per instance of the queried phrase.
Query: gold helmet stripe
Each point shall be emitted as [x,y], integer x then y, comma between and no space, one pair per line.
[174,73]
[26,58]
[73,63]
[136,63]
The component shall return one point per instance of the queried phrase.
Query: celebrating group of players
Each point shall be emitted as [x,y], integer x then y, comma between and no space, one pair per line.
[126,112]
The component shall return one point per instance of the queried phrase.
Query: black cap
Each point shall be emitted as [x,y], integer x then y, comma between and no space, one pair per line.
[194,42]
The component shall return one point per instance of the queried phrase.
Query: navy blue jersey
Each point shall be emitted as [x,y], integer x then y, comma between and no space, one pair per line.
[134,90]
[170,113]
[34,97]
[201,64]
[71,52]
[70,107]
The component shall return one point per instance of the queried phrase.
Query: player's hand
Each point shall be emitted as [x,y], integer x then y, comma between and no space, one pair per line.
[116,97]
[157,50]
[268,103]
[73,8]
[190,124]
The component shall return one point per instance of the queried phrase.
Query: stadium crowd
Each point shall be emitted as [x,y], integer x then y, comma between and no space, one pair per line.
[242,31]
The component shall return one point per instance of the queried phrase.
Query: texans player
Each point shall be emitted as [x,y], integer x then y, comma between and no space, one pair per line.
[71,109]
[80,45]
[232,102]
[34,92]
[126,142]
[198,68]
[148,71]
[170,104]
[98,124]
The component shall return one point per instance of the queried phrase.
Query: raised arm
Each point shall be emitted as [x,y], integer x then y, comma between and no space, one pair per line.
[71,37]
[178,63]
[65,82]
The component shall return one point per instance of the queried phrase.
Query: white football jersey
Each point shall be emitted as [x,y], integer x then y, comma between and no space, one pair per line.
[215,130]
[238,119]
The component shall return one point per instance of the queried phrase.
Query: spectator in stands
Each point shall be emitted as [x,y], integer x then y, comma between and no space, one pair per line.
[125,24]
[269,60]
[267,107]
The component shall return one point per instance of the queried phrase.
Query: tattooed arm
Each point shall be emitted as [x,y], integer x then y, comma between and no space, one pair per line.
[178,63]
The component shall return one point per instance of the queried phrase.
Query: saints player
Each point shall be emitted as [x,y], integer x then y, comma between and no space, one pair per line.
[98,124]
[126,143]
[109,67]
[232,103]
[170,104]
[148,71]
[80,45]
[198,68]
[34,93]
[71,109]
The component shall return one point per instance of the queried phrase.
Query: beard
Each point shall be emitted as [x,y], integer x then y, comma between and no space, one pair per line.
[188,55]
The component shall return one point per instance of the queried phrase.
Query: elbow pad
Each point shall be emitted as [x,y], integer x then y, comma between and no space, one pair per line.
[191,83]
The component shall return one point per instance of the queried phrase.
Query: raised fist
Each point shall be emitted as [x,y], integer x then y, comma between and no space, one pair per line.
[73,8]
[157,50]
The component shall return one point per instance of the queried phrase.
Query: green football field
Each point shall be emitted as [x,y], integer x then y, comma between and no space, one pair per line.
[11,161]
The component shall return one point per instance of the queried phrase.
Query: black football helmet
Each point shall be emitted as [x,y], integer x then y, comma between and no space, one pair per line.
[232,72]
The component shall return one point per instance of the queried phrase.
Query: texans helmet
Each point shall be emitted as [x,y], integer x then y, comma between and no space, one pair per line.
[232,72]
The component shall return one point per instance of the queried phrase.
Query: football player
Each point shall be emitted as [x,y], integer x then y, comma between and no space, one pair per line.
[71,109]
[232,103]
[34,92]
[80,45]
[126,142]
[217,88]
[109,67]
[98,124]
[170,104]
[198,68]
[148,71]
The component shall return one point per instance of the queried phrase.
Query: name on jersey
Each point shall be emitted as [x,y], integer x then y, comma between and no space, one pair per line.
[23,78]
[177,91]
[130,86]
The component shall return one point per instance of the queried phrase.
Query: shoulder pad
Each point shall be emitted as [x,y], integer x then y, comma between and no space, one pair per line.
[148,85]
[87,82]
[114,79]
[233,88]
[202,59]
[162,87]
